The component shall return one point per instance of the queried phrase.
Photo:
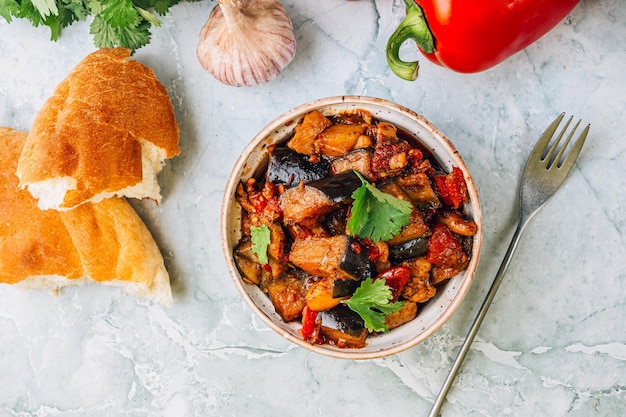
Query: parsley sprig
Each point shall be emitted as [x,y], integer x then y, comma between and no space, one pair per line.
[124,23]
[377,215]
[372,301]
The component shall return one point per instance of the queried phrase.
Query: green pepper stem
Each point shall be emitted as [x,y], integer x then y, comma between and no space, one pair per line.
[413,27]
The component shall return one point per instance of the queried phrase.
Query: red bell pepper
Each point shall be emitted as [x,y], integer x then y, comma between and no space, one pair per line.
[396,278]
[444,249]
[452,187]
[310,326]
[472,36]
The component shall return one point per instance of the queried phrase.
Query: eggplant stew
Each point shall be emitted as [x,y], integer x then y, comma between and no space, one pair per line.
[352,227]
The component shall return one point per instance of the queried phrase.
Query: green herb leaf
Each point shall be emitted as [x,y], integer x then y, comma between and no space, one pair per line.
[376,215]
[46,7]
[371,301]
[71,12]
[124,23]
[162,6]
[108,36]
[260,241]
[149,17]
[120,13]
[8,9]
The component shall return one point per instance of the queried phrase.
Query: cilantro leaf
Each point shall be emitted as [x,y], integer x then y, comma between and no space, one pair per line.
[162,6]
[28,10]
[53,23]
[134,37]
[104,34]
[71,12]
[46,7]
[124,23]
[78,8]
[371,301]
[119,13]
[8,9]
[149,16]
[377,215]
[260,241]
[108,36]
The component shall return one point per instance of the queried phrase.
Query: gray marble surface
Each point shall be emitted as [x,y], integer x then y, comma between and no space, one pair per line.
[554,341]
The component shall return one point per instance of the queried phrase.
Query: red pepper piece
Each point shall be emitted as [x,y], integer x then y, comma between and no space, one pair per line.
[258,201]
[469,36]
[396,278]
[310,327]
[373,250]
[444,249]
[452,187]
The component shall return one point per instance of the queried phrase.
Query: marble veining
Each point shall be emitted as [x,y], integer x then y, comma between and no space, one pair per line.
[554,341]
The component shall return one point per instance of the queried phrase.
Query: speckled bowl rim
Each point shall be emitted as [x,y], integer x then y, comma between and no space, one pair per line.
[437,311]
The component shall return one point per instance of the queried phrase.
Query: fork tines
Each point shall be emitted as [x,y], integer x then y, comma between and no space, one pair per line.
[561,160]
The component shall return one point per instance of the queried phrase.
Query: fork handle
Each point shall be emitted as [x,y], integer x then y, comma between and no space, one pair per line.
[434,412]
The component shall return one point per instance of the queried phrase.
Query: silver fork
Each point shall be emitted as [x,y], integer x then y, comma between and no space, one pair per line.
[546,169]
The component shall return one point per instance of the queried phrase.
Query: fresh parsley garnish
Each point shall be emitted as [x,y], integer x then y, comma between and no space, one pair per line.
[124,23]
[377,215]
[372,301]
[260,236]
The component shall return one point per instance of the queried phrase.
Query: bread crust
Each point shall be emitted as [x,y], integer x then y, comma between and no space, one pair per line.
[24,250]
[106,242]
[92,126]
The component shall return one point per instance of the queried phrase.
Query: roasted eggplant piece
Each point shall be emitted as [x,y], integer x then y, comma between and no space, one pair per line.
[251,270]
[344,287]
[408,250]
[353,117]
[419,288]
[416,228]
[247,263]
[457,223]
[287,295]
[303,140]
[407,313]
[289,167]
[343,327]
[338,257]
[338,139]
[335,221]
[358,160]
[338,188]
[420,190]
[307,204]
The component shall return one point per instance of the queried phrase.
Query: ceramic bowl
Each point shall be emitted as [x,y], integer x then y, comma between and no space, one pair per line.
[254,159]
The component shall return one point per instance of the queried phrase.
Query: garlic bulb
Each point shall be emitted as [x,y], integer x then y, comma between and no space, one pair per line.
[246,42]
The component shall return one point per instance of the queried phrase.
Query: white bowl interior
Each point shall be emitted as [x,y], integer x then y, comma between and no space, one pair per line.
[434,313]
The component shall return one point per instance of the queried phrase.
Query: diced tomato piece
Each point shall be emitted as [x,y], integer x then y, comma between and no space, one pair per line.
[310,327]
[396,278]
[273,207]
[415,157]
[452,187]
[444,249]
[258,201]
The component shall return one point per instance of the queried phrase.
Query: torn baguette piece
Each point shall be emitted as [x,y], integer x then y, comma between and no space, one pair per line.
[106,131]
[106,242]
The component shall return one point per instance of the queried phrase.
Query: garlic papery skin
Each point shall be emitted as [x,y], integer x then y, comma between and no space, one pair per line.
[246,42]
